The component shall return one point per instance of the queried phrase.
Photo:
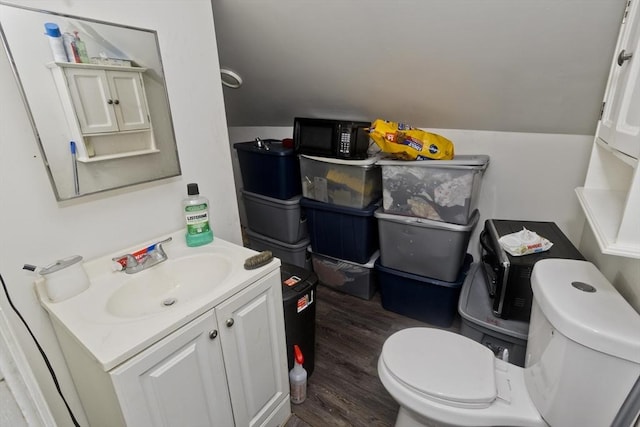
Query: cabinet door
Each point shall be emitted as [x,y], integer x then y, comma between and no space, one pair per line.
[179,381]
[92,100]
[620,123]
[253,344]
[129,100]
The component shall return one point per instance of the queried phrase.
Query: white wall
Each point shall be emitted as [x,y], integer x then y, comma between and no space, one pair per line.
[36,229]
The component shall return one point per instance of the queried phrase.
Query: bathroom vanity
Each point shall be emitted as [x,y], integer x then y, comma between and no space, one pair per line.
[196,340]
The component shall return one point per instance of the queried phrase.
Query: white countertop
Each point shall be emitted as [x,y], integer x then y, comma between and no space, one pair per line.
[110,339]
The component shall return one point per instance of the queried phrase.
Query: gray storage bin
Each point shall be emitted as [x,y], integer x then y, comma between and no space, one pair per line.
[440,190]
[479,323]
[359,280]
[424,247]
[291,253]
[279,219]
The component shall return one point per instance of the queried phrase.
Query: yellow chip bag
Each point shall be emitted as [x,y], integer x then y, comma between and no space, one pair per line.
[408,143]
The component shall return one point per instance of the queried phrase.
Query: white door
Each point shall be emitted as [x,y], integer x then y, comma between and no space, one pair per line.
[253,344]
[92,100]
[179,381]
[620,123]
[129,100]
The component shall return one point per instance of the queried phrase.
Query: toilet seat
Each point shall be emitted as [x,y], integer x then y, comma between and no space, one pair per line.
[481,390]
[456,371]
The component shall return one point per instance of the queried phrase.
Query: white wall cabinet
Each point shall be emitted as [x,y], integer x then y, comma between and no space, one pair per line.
[108,100]
[106,109]
[611,194]
[227,367]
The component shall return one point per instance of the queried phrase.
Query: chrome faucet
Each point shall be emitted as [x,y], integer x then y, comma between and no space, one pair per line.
[144,258]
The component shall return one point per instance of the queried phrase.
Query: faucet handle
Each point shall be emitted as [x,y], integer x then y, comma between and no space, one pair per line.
[127,261]
[158,251]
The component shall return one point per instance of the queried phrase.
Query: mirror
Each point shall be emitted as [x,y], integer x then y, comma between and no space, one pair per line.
[114,110]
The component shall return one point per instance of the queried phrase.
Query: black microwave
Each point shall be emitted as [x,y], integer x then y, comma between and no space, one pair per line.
[331,138]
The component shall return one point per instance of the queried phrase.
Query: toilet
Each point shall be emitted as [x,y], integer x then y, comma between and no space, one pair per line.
[582,360]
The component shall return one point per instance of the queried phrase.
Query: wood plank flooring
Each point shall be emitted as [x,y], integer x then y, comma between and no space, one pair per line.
[344,389]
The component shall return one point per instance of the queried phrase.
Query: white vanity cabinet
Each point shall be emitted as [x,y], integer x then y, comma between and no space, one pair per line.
[611,195]
[226,367]
[178,381]
[106,110]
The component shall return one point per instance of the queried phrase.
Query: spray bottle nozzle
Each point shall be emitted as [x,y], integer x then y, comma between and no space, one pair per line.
[298,354]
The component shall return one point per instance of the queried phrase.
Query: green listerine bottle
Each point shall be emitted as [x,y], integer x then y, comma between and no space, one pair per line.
[196,213]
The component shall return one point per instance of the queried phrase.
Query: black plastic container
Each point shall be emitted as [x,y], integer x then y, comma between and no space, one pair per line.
[269,168]
[299,301]
[342,232]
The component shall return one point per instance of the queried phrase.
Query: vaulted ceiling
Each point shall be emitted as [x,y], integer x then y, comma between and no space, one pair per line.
[504,65]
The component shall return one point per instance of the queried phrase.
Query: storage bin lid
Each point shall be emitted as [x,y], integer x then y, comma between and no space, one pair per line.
[583,305]
[296,280]
[366,163]
[370,264]
[442,366]
[468,259]
[290,246]
[475,306]
[270,147]
[313,204]
[428,223]
[475,161]
[271,200]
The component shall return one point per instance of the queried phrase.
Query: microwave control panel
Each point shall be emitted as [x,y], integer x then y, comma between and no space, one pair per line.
[345,140]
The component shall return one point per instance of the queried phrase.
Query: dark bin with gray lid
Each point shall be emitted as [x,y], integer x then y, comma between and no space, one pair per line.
[480,324]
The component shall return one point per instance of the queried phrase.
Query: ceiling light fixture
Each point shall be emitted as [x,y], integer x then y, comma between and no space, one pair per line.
[230,78]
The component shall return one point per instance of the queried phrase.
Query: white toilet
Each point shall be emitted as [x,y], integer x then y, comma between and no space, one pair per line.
[583,358]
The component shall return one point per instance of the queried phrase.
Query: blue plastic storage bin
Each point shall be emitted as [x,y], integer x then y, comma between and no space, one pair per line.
[342,232]
[269,169]
[422,298]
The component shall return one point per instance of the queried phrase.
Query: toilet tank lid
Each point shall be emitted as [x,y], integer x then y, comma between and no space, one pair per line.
[581,304]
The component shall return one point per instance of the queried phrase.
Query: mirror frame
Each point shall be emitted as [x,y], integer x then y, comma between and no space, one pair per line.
[143,168]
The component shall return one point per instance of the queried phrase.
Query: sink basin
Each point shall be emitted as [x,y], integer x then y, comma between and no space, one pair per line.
[165,285]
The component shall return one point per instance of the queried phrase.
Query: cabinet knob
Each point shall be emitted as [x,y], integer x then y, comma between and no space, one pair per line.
[116,102]
[624,57]
[229,322]
[110,101]
[213,334]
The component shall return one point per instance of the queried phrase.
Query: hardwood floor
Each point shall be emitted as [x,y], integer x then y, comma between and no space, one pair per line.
[344,389]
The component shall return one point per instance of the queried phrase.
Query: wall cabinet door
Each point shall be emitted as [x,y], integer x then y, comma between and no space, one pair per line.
[179,381]
[108,101]
[253,344]
[610,197]
[620,123]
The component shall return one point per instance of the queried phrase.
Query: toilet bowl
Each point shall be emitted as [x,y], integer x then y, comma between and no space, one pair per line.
[459,380]
[582,360]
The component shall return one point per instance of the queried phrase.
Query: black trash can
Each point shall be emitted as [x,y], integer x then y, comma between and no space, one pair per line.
[299,300]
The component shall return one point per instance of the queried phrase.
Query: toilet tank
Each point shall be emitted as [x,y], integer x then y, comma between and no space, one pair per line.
[583,350]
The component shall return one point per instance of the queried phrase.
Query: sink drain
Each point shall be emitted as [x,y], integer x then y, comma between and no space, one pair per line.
[169,302]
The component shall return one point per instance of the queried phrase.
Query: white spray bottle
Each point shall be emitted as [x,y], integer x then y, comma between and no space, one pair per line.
[298,377]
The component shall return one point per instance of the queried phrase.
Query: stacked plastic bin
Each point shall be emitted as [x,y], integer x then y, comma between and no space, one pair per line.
[428,213]
[271,196]
[340,200]
[506,338]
